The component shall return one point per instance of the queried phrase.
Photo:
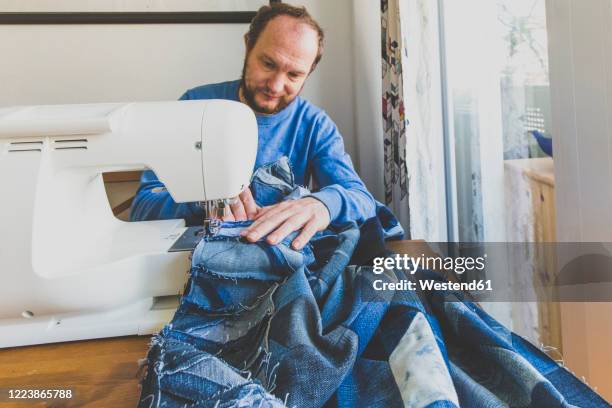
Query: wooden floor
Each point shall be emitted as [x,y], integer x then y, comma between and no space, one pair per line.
[100,373]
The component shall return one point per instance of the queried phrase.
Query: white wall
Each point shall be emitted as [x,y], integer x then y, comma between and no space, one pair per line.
[128,5]
[368,94]
[331,85]
[49,64]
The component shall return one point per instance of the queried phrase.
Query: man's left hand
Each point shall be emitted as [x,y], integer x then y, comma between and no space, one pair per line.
[279,220]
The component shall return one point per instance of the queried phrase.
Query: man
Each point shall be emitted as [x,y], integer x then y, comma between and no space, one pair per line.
[283,46]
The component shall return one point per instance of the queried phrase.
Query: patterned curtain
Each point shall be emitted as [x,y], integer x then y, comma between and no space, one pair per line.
[394,120]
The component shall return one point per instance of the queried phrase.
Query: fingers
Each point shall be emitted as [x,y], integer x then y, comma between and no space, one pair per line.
[244,208]
[262,211]
[304,236]
[248,202]
[268,212]
[268,223]
[238,211]
[293,223]
[228,215]
[280,220]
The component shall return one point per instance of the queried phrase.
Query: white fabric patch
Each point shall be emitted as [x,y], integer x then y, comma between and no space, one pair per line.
[419,369]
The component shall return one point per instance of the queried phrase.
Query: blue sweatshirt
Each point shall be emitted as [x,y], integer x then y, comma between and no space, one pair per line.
[302,132]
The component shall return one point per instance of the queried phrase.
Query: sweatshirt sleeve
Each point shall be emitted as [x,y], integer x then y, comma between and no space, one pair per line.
[340,188]
[153,201]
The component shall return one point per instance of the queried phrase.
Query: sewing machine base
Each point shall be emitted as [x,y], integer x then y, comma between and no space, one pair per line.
[143,317]
[188,240]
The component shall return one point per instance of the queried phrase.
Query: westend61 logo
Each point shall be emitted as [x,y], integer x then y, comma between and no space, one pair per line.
[458,264]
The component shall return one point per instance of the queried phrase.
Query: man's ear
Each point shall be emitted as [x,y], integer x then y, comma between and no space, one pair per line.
[246,41]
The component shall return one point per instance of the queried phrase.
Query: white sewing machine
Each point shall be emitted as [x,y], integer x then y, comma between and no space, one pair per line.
[69,269]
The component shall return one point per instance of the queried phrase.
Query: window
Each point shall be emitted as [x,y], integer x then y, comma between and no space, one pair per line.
[498,97]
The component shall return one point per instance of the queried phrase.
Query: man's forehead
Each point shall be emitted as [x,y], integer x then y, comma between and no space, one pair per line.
[291,37]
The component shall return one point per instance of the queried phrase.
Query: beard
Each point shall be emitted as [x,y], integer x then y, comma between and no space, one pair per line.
[249,94]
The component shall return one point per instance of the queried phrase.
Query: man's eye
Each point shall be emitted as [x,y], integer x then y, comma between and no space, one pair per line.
[268,64]
[293,76]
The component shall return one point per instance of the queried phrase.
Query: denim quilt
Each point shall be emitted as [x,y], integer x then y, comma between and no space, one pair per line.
[268,326]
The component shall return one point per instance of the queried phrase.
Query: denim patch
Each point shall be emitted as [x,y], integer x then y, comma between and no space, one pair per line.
[180,375]
[272,182]
[419,368]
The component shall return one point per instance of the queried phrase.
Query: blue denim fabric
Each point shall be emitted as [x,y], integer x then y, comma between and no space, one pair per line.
[181,375]
[490,363]
[274,182]
[270,326]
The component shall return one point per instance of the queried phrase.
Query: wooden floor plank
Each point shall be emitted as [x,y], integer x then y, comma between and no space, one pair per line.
[101,373]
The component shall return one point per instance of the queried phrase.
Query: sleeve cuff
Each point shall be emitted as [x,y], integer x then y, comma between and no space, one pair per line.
[331,199]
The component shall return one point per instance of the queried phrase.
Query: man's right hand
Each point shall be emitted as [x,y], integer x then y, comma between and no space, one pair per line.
[244,208]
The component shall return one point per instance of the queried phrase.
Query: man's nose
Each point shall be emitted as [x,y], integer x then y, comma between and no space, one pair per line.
[276,84]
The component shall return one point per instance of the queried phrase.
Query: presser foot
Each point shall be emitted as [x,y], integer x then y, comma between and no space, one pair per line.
[213,213]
